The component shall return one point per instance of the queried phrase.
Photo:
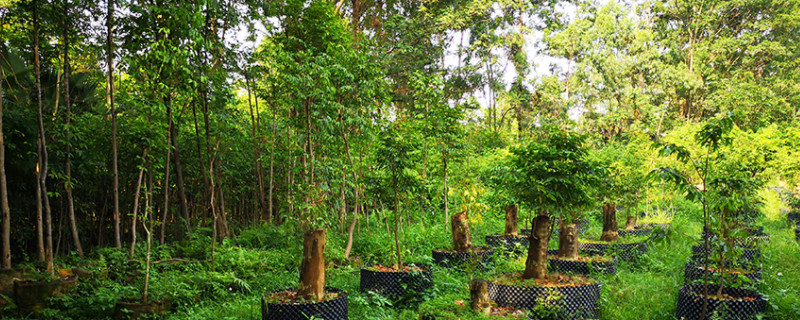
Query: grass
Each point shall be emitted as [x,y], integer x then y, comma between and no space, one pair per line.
[265,259]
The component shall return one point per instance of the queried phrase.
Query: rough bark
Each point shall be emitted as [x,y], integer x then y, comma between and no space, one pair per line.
[6,237]
[110,102]
[511,220]
[312,268]
[568,240]
[444,177]
[397,224]
[460,229]
[73,225]
[479,297]
[536,263]
[630,224]
[610,229]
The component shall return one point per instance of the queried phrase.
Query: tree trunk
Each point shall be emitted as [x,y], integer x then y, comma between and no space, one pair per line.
[259,183]
[223,220]
[460,228]
[568,241]
[536,263]
[73,225]
[42,169]
[312,268]
[479,297]
[39,214]
[511,220]
[178,169]
[110,102]
[272,165]
[609,223]
[136,204]
[397,224]
[444,177]
[6,238]
[630,224]
[166,187]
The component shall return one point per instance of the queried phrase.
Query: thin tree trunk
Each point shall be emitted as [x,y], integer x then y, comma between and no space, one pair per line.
[110,102]
[136,204]
[39,212]
[312,267]
[259,183]
[147,226]
[397,224]
[536,262]
[6,237]
[610,229]
[272,166]
[223,227]
[351,227]
[73,225]
[166,187]
[446,202]
[213,209]
[178,170]
[42,170]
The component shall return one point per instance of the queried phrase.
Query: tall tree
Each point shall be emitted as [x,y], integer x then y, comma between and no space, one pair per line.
[68,104]
[110,101]
[5,263]
[42,155]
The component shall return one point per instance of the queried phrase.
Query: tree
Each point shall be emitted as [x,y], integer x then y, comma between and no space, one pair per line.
[554,176]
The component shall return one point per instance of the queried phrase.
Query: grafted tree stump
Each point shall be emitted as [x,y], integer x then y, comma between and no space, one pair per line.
[610,230]
[312,268]
[536,263]
[568,240]
[511,220]
[479,297]
[630,224]
[461,238]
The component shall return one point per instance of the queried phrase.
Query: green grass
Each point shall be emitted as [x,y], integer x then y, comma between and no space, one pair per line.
[267,258]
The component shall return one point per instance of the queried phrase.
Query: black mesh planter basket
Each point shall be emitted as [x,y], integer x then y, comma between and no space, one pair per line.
[744,305]
[335,309]
[483,258]
[695,272]
[797,233]
[635,233]
[793,217]
[623,251]
[581,267]
[509,244]
[568,303]
[749,255]
[396,284]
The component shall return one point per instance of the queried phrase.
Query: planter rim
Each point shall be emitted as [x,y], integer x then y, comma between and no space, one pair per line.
[596,282]
[692,290]
[342,294]
[28,283]
[486,249]
[424,266]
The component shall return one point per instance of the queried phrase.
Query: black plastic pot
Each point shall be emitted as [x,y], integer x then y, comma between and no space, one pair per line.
[623,251]
[509,244]
[579,302]
[690,303]
[581,267]
[749,255]
[335,309]
[32,296]
[483,259]
[396,285]
[129,310]
[694,272]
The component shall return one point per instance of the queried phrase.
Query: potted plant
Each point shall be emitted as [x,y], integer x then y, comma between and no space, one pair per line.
[143,306]
[400,280]
[31,294]
[463,252]
[499,178]
[311,299]
[725,190]
[552,175]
